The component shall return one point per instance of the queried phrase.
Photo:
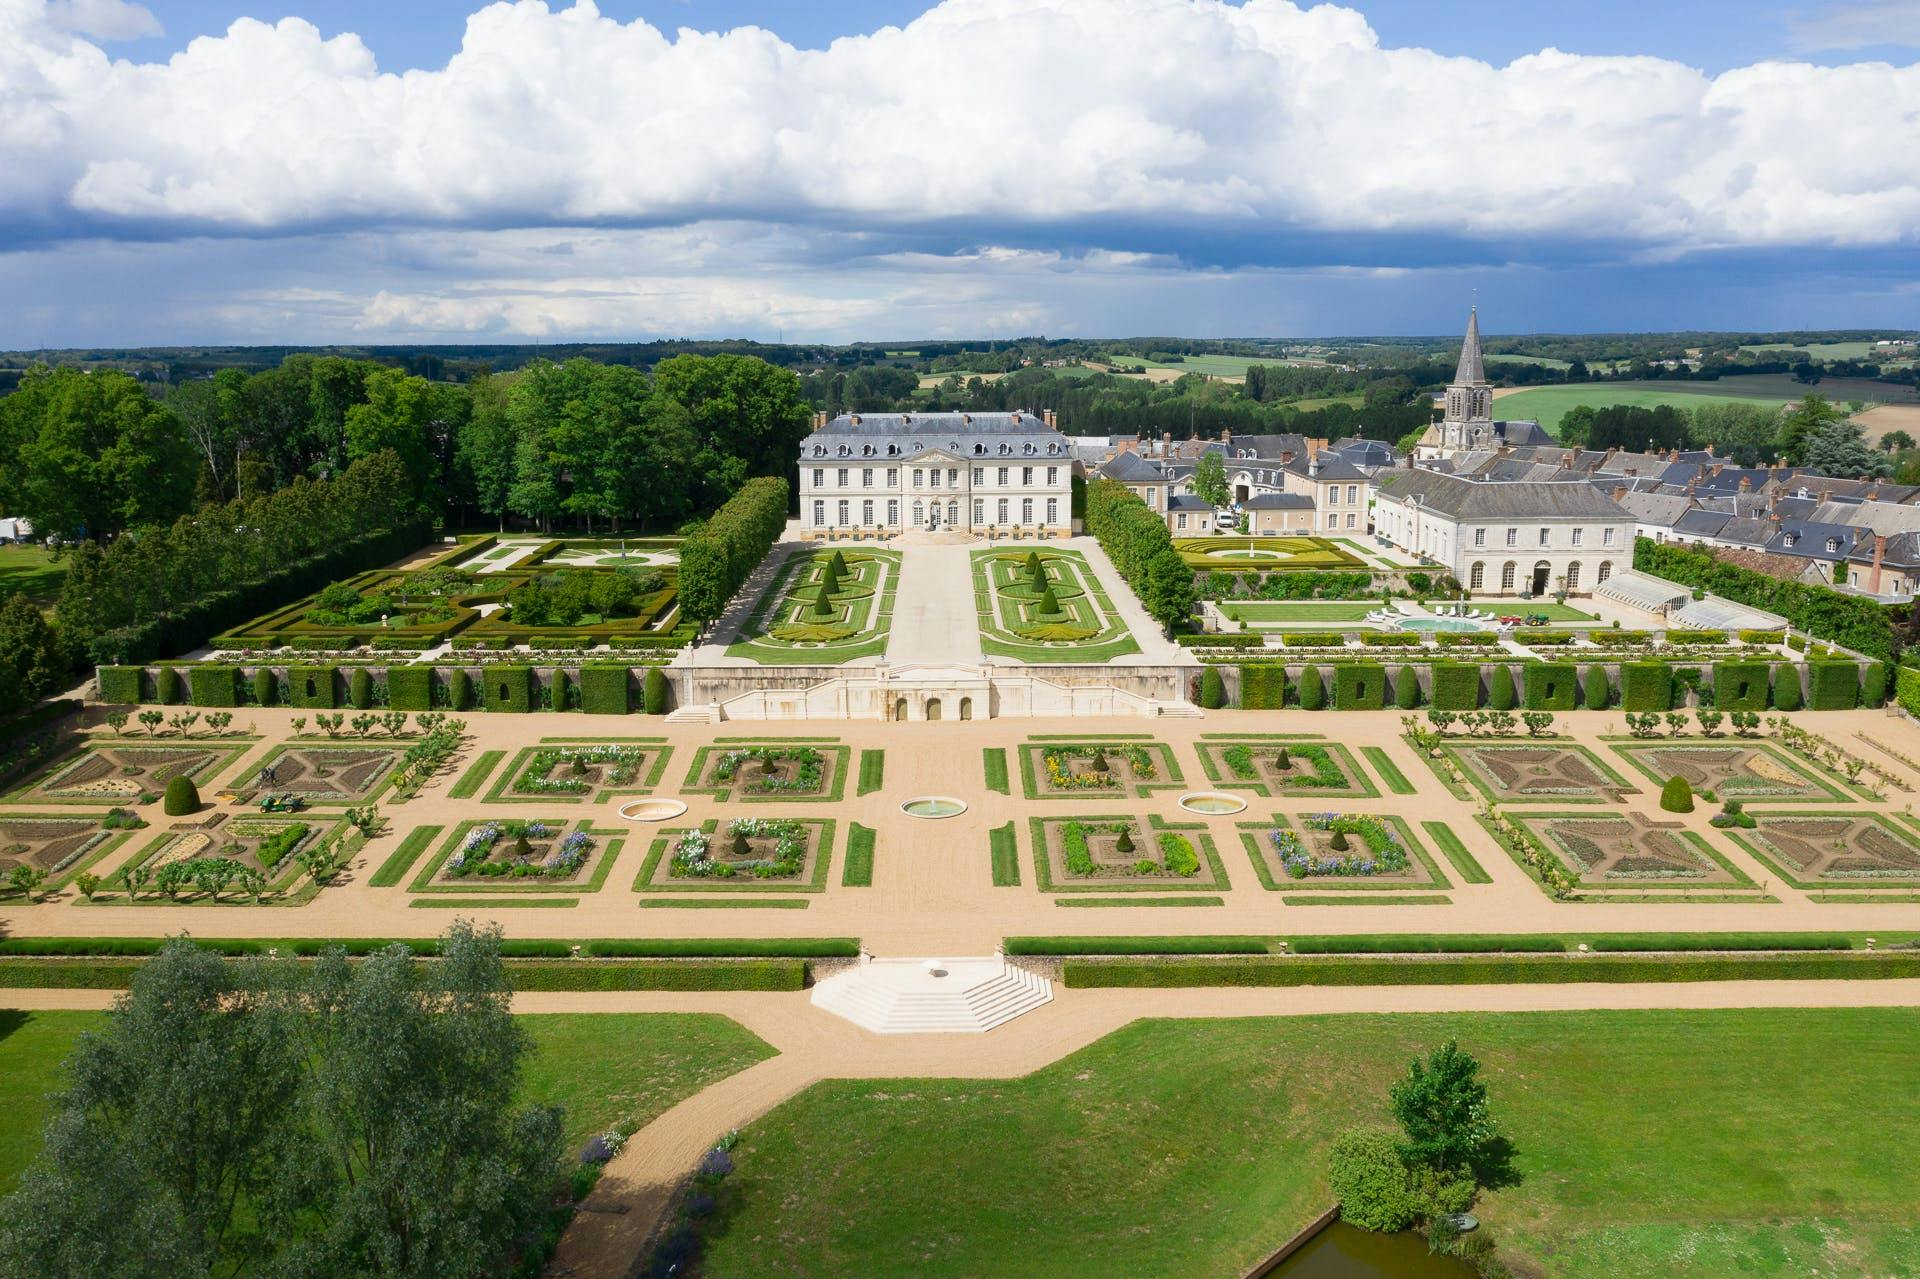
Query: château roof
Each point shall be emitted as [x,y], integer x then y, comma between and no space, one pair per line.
[896,435]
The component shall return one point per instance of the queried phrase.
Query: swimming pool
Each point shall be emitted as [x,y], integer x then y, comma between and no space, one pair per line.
[1438,624]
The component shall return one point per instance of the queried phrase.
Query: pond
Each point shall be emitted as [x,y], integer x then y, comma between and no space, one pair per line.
[1347,1252]
[933,806]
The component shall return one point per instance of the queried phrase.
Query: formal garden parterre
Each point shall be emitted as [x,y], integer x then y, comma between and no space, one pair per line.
[233,858]
[1291,764]
[110,772]
[824,607]
[749,854]
[1080,767]
[521,856]
[1752,772]
[1045,606]
[61,848]
[1598,857]
[1530,772]
[581,770]
[770,770]
[1118,852]
[1339,851]
[1859,852]
[1266,555]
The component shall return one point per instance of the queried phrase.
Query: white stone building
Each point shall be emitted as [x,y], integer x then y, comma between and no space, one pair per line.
[990,474]
[1507,537]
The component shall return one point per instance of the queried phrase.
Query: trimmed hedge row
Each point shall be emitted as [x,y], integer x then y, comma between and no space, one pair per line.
[510,948]
[1263,686]
[718,556]
[214,686]
[1471,971]
[1456,686]
[1833,685]
[1552,686]
[525,974]
[1646,686]
[1136,945]
[507,688]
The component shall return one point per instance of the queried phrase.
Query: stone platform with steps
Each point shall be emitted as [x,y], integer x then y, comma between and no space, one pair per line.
[932,996]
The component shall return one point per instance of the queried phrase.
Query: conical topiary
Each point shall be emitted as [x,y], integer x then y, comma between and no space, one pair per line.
[1283,760]
[741,848]
[837,565]
[1100,764]
[521,848]
[1036,574]
[1126,840]
[182,797]
[822,605]
[1339,841]
[1676,796]
[1049,603]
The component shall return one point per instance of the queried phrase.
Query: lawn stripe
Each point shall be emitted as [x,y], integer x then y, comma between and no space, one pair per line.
[1389,771]
[1006,856]
[858,871]
[1457,853]
[401,860]
[471,781]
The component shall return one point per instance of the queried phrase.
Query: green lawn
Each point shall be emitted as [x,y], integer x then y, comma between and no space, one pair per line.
[605,1068]
[1548,403]
[1227,366]
[1088,629]
[1741,1142]
[784,630]
[31,569]
[1287,612]
[1265,554]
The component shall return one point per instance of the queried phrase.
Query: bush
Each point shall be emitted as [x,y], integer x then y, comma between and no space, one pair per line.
[1406,688]
[1677,796]
[1873,685]
[266,689]
[1361,686]
[1596,690]
[1370,1182]
[166,686]
[1263,686]
[509,688]
[1740,686]
[1313,691]
[410,688]
[120,684]
[460,691]
[1456,686]
[1500,695]
[1213,689]
[214,685]
[182,797]
[654,691]
[716,558]
[605,690]
[360,689]
[1835,685]
[1551,686]
[1786,687]
[559,690]
[311,687]
[1646,686]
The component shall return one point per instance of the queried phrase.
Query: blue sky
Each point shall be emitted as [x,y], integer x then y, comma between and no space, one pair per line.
[191,171]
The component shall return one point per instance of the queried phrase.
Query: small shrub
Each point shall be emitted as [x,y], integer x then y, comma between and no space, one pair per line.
[1213,690]
[1370,1181]
[266,689]
[460,691]
[1676,796]
[182,797]
[166,686]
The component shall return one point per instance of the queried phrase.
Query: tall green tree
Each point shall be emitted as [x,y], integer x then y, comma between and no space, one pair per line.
[400,413]
[1442,1109]
[485,450]
[91,453]
[1811,415]
[747,417]
[35,662]
[1210,480]
[1841,450]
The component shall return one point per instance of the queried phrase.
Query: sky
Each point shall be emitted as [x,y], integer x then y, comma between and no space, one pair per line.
[186,172]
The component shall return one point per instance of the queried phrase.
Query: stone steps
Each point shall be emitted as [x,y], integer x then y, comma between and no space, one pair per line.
[904,996]
[709,713]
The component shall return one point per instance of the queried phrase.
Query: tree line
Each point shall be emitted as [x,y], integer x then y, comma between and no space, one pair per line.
[1813,433]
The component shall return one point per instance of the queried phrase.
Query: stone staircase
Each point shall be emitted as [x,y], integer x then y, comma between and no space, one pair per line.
[932,996]
[705,714]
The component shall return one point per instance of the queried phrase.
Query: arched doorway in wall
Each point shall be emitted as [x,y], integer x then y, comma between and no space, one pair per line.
[1542,574]
[966,708]
[900,710]
[933,708]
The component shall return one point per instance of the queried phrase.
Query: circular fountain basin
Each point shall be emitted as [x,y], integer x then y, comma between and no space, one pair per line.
[934,806]
[1212,803]
[1439,624]
[652,810]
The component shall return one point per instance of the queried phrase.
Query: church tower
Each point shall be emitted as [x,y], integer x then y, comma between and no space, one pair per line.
[1469,417]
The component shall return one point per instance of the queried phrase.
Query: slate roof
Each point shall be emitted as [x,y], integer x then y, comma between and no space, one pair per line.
[1188,502]
[867,435]
[1664,509]
[1480,499]
[1131,468]
[1331,467]
[1701,523]
[1279,502]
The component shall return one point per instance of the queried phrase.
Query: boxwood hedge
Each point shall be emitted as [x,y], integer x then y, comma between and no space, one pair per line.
[508,688]
[121,684]
[605,689]
[410,688]
[1740,686]
[312,687]
[1456,686]
[1835,685]
[1646,686]
[1263,686]
[1551,686]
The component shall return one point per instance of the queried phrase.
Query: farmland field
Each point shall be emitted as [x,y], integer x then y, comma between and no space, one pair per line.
[1547,404]
[1224,366]
[1835,350]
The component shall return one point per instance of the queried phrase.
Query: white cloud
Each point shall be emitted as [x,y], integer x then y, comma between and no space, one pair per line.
[103,19]
[1861,25]
[1262,118]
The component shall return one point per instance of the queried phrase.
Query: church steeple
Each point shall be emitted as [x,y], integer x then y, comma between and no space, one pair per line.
[1472,368]
[1468,422]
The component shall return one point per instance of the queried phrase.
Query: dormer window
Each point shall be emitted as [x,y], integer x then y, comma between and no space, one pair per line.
[892,449]
[1801,491]
[819,450]
[1833,545]
[846,450]
[1792,538]
[866,450]
[979,449]
[1005,449]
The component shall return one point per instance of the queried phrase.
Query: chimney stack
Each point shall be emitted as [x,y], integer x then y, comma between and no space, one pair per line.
[1050,418]
[1879,556]
[820,420]
[1619,492]
[1746,483]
